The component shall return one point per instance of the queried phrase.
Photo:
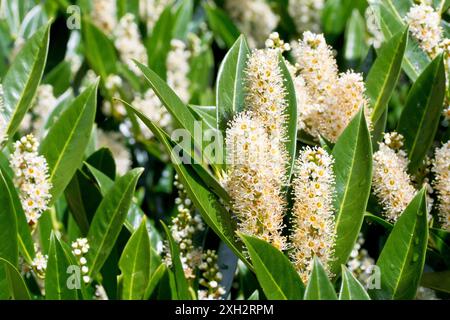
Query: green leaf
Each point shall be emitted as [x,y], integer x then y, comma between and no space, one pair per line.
[276,275]
[59,78]
[135,264]
[104,182]
[207,114]
[319,286]
[103,160]
[335,14]
[419,120]
[230,89]
[183,17]
[201,195]
[99,50]
[180,280]
[353,171]
[179,111]
[64,145]
[158,45]
[24,240]
[403,256]
[56,275]
[223,28]
[384,73]
[436,280]
[351,289]
[9,249]
[109,219]
[17,287]
[355,47]
[154,280]
[23,77]
[291,115]
[390,20]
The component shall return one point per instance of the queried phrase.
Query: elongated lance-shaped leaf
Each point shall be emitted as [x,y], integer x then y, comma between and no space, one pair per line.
[276,275]
[67,139]
[178,271]
[179,111]
[9,249]
[390,20]
[109,219]
[291,115]
[353,171]
[351,288]
[230,89]
[58,285]
[355,47]
[384,73]
[403,256]
[17,288]
[319,286]
[222,26]
[24,239]
[23,77]
[135,264]
[419,120]
[198,190]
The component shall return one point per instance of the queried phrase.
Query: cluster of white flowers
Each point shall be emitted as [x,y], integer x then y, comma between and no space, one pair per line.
[39,264]
[150,105]
[266,99]
[185,225]
[313,213]
[129,44]
[104,15]
[327,101]
[177,65]
[210,277]
[254,18]
[3,123]
[390,181]
[306,14]
[113,83]
[31,177]
[441,170]
[80,248]
[150,11]
[115,142]
[43,105]
[424,24]
[275,42]
[360,262]
[257,200]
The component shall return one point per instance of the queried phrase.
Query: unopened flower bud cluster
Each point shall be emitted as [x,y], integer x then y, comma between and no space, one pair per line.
[80,248]
[210,277]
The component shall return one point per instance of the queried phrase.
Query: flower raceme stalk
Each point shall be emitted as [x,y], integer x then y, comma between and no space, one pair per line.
[313,212]
[31,177]
[441,170]
[257,200]
[391,182]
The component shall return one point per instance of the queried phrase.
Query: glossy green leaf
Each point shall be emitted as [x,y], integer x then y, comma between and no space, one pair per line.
[291,115]
[64,145]
[23,77]
[207,114]
[351,288]
[56,276]
[436,280]
[99,50]
[230,89]
[11,201]
[223,28]
[402,259]
[17,287]
[9,249]
[319,286]
[135,264]
[180,280]
[276,275]
[384,73]
[154,280]
[109,218]
[419,120]
[103,160]
[353,171]
[390,20]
